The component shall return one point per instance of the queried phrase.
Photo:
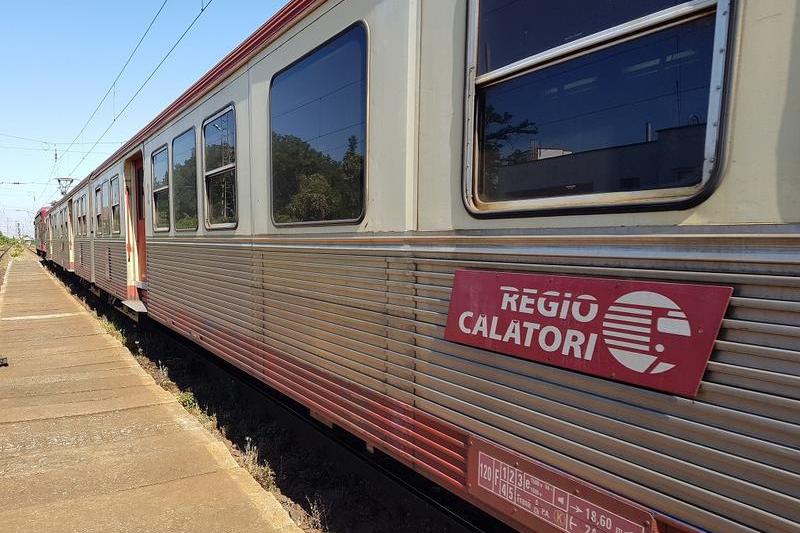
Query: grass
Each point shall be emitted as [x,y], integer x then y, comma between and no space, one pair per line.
[259,469]
[17,245]
[321,494]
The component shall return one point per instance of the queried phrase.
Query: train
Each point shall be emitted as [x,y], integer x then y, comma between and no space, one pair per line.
[545,254]
[40,234]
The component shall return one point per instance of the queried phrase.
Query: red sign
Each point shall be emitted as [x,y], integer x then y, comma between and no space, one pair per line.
[542,499]
[657,335]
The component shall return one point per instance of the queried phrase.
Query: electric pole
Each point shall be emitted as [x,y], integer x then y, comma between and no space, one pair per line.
[64,183]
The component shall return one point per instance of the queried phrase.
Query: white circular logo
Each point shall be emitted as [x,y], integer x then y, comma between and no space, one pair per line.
[637,326]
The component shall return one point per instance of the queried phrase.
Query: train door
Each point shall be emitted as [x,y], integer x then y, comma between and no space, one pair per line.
[141,241]
[134,232]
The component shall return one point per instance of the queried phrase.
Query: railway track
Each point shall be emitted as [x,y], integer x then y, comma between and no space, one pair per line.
[3,252]
[376,468]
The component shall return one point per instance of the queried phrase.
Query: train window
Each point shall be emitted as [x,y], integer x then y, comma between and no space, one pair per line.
[219,169]
[106,209]
[115,215]
[509,32]
[98,210]
[161,190]
[84,212]
[184,181]
[82,215]
[318,131]
[607,107]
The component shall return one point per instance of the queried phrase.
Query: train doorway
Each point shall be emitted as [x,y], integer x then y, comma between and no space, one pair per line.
[135,233]
[141,238]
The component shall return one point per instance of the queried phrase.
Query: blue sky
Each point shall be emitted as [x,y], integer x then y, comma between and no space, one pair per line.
[59,58]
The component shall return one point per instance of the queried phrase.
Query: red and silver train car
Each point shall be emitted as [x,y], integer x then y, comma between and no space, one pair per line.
[40,231]
[59,249]
[545,253]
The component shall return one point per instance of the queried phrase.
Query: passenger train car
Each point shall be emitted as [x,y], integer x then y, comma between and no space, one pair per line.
[544,253]
[40,231]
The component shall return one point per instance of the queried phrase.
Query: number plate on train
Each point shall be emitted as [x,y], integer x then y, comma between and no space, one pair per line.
[543,499]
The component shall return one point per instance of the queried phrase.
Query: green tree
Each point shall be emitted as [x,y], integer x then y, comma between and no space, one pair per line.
[185,186]
[309,185]
[500,131]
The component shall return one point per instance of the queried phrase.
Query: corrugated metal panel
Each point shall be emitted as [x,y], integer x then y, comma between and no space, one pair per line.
[60,253]
[83,258]
[374,315]
[110,266]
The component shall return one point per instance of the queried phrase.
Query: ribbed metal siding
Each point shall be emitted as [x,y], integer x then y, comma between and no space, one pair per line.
[110,268]
[209,292]
[61,251]
[83,258]
[214,280]
[374,314]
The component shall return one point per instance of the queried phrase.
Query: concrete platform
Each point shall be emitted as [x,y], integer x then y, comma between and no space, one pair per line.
[89,442]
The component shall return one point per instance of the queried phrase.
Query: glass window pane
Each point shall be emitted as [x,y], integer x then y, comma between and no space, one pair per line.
[318,120]
[220,142]
[221,192]
[114,191]
[184,180]
[115,218]
[161,209]
[629,117]
[511,30]
[160,170]
[106,209]
[98,209]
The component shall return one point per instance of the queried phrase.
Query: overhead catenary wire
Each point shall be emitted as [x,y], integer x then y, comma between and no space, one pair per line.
[40,149]
[42,141]
[114,83]
[102,100]
[145,82]
[140,88]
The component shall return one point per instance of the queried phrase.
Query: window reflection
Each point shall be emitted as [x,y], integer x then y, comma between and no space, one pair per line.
[220,142]
[219,136]
[184,177]
[98,210]
[115,214]
[161,189]
[628,117]
[221,190]
[511,30]
[160,170]
[318,121]
[161,201]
